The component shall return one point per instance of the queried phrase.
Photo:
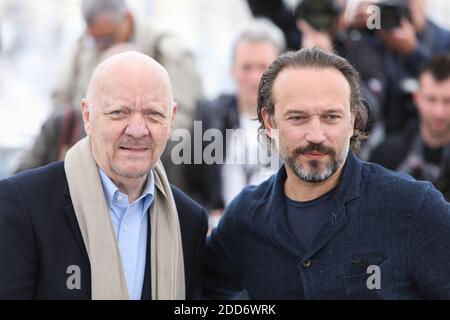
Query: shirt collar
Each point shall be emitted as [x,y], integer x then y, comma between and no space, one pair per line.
[112,192]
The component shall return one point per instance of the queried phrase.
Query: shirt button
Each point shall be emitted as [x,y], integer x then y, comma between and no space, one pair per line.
[125,226]
[306,264]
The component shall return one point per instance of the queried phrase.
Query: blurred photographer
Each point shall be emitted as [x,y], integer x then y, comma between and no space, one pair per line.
[280,13]
[406,30]
[319,22]
[409,39]
[423,149]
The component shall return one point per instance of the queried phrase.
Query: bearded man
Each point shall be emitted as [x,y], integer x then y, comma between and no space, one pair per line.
[327,225]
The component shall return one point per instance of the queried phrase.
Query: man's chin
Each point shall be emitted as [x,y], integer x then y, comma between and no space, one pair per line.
[314,164]
[438,133]
[316,176]
[131,172]
[315,171]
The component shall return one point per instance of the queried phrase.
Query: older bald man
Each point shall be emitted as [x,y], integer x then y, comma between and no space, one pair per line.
[105,223]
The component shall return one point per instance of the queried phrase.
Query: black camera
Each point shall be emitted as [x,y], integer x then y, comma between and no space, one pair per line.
[320,14]
[391,13]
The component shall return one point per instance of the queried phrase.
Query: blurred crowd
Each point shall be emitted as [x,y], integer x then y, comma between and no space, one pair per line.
[403,58]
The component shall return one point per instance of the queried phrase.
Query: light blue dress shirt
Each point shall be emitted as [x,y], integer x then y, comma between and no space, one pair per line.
[130,224]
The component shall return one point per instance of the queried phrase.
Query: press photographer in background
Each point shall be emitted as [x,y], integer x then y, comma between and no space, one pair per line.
[407,30]
[423,149]
[404,40]
[214,185]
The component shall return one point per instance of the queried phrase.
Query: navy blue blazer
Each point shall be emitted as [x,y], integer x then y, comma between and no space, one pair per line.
[40,238]
[382,224]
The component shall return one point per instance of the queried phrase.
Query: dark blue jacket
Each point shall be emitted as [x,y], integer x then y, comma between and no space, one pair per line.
[379,218]
[40,238]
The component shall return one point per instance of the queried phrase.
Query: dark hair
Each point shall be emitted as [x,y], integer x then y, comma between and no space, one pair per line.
[91,9]
[438,66]
[314,59]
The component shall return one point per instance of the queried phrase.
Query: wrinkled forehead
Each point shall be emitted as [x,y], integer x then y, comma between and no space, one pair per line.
[130,82]
[133,98]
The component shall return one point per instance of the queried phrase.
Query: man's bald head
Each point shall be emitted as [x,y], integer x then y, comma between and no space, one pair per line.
[125,71]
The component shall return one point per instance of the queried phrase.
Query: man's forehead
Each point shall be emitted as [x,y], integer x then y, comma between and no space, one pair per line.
[245,51]
[127,98]
[311,84]
[308,74]
[428,78]
[130,62]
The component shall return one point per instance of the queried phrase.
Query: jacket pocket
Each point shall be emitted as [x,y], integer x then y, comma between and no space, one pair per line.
[365,279]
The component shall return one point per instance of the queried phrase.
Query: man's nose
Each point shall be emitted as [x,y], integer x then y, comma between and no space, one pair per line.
[315,131]
[255,77]
[136,127]
[439,110]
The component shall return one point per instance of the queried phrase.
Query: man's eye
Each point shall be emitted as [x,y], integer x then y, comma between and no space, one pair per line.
[297,118]
[117,113]
[154,114]
[246,67]
[332,117]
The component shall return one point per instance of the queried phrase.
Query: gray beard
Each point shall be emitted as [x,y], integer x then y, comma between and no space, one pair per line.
[313,174]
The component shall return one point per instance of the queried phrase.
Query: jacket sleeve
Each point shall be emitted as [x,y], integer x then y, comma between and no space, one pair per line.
[195,288]
[18,259]
[429,251]
[222,271]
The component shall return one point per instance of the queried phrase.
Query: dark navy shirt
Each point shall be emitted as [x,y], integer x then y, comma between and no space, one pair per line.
[307,218]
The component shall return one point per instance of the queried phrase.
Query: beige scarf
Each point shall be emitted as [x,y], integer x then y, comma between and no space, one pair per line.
[107,276]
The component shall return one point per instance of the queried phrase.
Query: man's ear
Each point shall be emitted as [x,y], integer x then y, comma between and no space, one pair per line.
[86,114]
[129,15]
[268,122]
[173,114]
[416,98]
[130,22]
[352,122]
[232,70]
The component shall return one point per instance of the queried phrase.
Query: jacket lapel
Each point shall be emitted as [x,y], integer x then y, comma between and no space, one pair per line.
[347,190]
[276,214]
[147,285]
[73,222]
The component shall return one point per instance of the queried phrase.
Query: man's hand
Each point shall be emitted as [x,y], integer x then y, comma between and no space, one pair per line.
[401,40]
[313,38]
